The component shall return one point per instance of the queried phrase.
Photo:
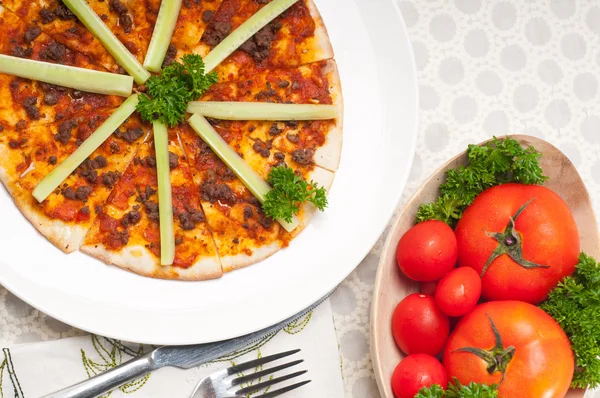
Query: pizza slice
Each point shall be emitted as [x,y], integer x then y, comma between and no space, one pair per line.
[55,19]
[318,142]
[296,37]
[242,232]
[127,233]
[27,156]
[25,103]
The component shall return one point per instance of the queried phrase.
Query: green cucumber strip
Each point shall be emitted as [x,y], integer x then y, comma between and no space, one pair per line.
[245,31]
[165,199]
[161,37]
[99,29]
[262,111]
[249,177]
[64,170]
[87,80]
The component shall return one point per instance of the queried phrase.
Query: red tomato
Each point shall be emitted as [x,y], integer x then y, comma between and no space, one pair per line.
[428,288]
[458,292]
[415,372]
[522,239]
[513,344]
[427,251]
[419,326]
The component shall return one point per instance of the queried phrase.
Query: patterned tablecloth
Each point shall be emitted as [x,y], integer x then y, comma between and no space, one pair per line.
[485,68]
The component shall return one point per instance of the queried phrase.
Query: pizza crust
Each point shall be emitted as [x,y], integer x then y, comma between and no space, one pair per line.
[138,260]
[66,237]
[321,36]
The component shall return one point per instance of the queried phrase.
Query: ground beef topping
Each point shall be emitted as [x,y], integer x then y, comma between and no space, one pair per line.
[31,34]
[259,45]
[303,156]
[117,239]
[16,144]
[30,107]
[190,218]
[47,16]
[173,160]
[110,178]
[54,51]
[248,212]
[148,161]
[170,56]
[51,98]
[21,52]
[277,128]
[131,218]
[207,15]
[81,194]
[131,135]
[283,84]
[152,210]
[144,195]
[126,22]
[21,124]
[114,147]
[215,33]
[294,138]
[261,148]
[89,174]
[52,160]
[99,162]
[63,13]
[279,156]
[214,192]
[117,6]
[65,131]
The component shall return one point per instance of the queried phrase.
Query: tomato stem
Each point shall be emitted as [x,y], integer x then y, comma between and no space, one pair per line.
[498,357]
[510,243]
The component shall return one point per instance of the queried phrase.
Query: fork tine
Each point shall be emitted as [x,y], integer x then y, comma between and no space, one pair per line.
[283,390]
[260,386]
[260,361]
[266,372]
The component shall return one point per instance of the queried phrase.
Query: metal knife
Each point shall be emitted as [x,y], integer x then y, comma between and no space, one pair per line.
[183,357]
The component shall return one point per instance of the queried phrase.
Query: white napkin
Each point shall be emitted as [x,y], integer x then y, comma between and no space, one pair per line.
[33,370]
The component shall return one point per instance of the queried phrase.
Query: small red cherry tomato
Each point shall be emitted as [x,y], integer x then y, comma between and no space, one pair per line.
[458,292]
[415,372]
[428,251]
[419,326]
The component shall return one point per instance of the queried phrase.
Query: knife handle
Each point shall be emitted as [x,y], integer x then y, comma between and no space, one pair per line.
[109,380]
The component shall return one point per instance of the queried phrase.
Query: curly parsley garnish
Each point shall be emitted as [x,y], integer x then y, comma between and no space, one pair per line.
[575,305]
[289,193]
[458,390]
[495,163]
[170,92]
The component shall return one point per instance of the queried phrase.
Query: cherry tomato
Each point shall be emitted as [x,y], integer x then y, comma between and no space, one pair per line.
[415,372]
[428,251]
[428,288]
[419,326]
[458,292]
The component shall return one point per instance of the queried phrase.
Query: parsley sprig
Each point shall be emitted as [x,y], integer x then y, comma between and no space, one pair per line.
[289,192]
[495,163]
[170,92]
[575,305]
[458,390]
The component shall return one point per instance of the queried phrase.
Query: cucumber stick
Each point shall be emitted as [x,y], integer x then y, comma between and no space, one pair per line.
[161,37]
[64,170]
[262,111]
[99,29]
[251,179]
[245,31]
[91,81]
[165,199]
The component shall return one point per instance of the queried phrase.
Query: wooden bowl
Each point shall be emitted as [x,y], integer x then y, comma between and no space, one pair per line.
[391,286]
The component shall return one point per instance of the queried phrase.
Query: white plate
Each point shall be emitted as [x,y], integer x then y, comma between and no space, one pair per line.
[380,92]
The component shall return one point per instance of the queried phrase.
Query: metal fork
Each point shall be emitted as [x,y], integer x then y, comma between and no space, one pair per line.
[220,384]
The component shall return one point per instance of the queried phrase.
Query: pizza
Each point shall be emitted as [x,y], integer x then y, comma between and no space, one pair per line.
[108,207]
[26,103]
